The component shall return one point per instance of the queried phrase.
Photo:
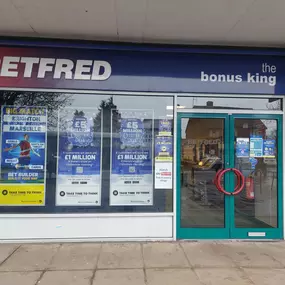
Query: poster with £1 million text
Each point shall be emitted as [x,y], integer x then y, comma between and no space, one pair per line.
[79,157]
[131,180]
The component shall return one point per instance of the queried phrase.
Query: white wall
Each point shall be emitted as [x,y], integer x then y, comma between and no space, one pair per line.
[86,227]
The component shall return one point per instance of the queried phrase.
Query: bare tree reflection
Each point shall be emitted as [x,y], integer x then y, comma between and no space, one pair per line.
[52,101]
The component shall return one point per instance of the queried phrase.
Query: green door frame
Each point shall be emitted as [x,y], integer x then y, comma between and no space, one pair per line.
[270,233]
[230,231]
[201,233]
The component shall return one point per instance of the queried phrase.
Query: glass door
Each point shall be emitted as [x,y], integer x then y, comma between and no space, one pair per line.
[203,149]
[257,153]
[250,144]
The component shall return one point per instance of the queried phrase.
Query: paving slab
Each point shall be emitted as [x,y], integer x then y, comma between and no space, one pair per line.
[119,277]
[222,276]
[266,276]
[30,258]
[6,250]
[66,278]
[249,254]
[172,276]
[274,250]
[206,255]
[19,278]
[164,255]
[121,255]
[76,256]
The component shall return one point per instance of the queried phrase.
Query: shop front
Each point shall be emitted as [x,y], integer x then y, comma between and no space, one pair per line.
[118,142]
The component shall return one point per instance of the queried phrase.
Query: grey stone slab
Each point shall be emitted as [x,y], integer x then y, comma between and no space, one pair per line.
[121,255]
[164,255]
[6,250]
[172,276]
[206,255]
[119,277]
[222,276]
[76,256]
[66,278]
[248,255]
[19,278]
[30,258]
[266,276]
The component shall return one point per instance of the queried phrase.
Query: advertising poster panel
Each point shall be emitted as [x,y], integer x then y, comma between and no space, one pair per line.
[242,147]
[163,155]
[269,148]
[164,127]
[256,146]
[163,162]
[131,158]
[23,155]
[79,158]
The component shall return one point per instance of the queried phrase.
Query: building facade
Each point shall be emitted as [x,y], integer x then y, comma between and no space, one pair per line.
[129,142]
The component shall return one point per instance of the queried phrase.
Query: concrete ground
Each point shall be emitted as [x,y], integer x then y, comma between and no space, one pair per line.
[184,263]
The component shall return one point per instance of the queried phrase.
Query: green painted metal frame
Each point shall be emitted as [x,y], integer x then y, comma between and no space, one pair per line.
[230,231]
[201,233]
[270,233]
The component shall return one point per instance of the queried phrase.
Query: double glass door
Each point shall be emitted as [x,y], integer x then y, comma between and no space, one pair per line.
[245,206]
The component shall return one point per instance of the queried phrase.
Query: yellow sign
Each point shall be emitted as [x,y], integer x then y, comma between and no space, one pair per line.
[163,158]
[22,194]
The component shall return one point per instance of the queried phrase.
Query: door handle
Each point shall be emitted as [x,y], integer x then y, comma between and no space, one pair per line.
[240,184]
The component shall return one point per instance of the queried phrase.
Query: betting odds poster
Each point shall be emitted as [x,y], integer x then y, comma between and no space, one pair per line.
[163,155]
[131,158]
[79,158]
[23,156]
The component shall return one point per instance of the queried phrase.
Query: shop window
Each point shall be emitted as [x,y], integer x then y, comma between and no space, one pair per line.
[85,153]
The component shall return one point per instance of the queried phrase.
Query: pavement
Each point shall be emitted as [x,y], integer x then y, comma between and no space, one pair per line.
[153,263]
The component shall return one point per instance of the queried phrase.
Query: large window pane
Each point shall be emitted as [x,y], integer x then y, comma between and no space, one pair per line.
[257,205]
[76,153]
[202,155]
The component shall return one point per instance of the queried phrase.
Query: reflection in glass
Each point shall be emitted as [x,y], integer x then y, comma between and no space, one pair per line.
[100,108]
[202,102]
[256,205]
[202,155]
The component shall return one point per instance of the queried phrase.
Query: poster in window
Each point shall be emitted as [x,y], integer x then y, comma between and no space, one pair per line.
[79,158]
[165,127]
[242,147]
[163,162]
[269,148]
[256,146]
[131,181]
[23,155]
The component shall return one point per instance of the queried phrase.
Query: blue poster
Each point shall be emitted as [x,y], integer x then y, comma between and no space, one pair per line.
[79,159]
[23,157]
[242,147]
[132,132]
[269,148]
[164,127]
[131,155]
[163,148]
[253,161]
[163,162]
[256,146]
